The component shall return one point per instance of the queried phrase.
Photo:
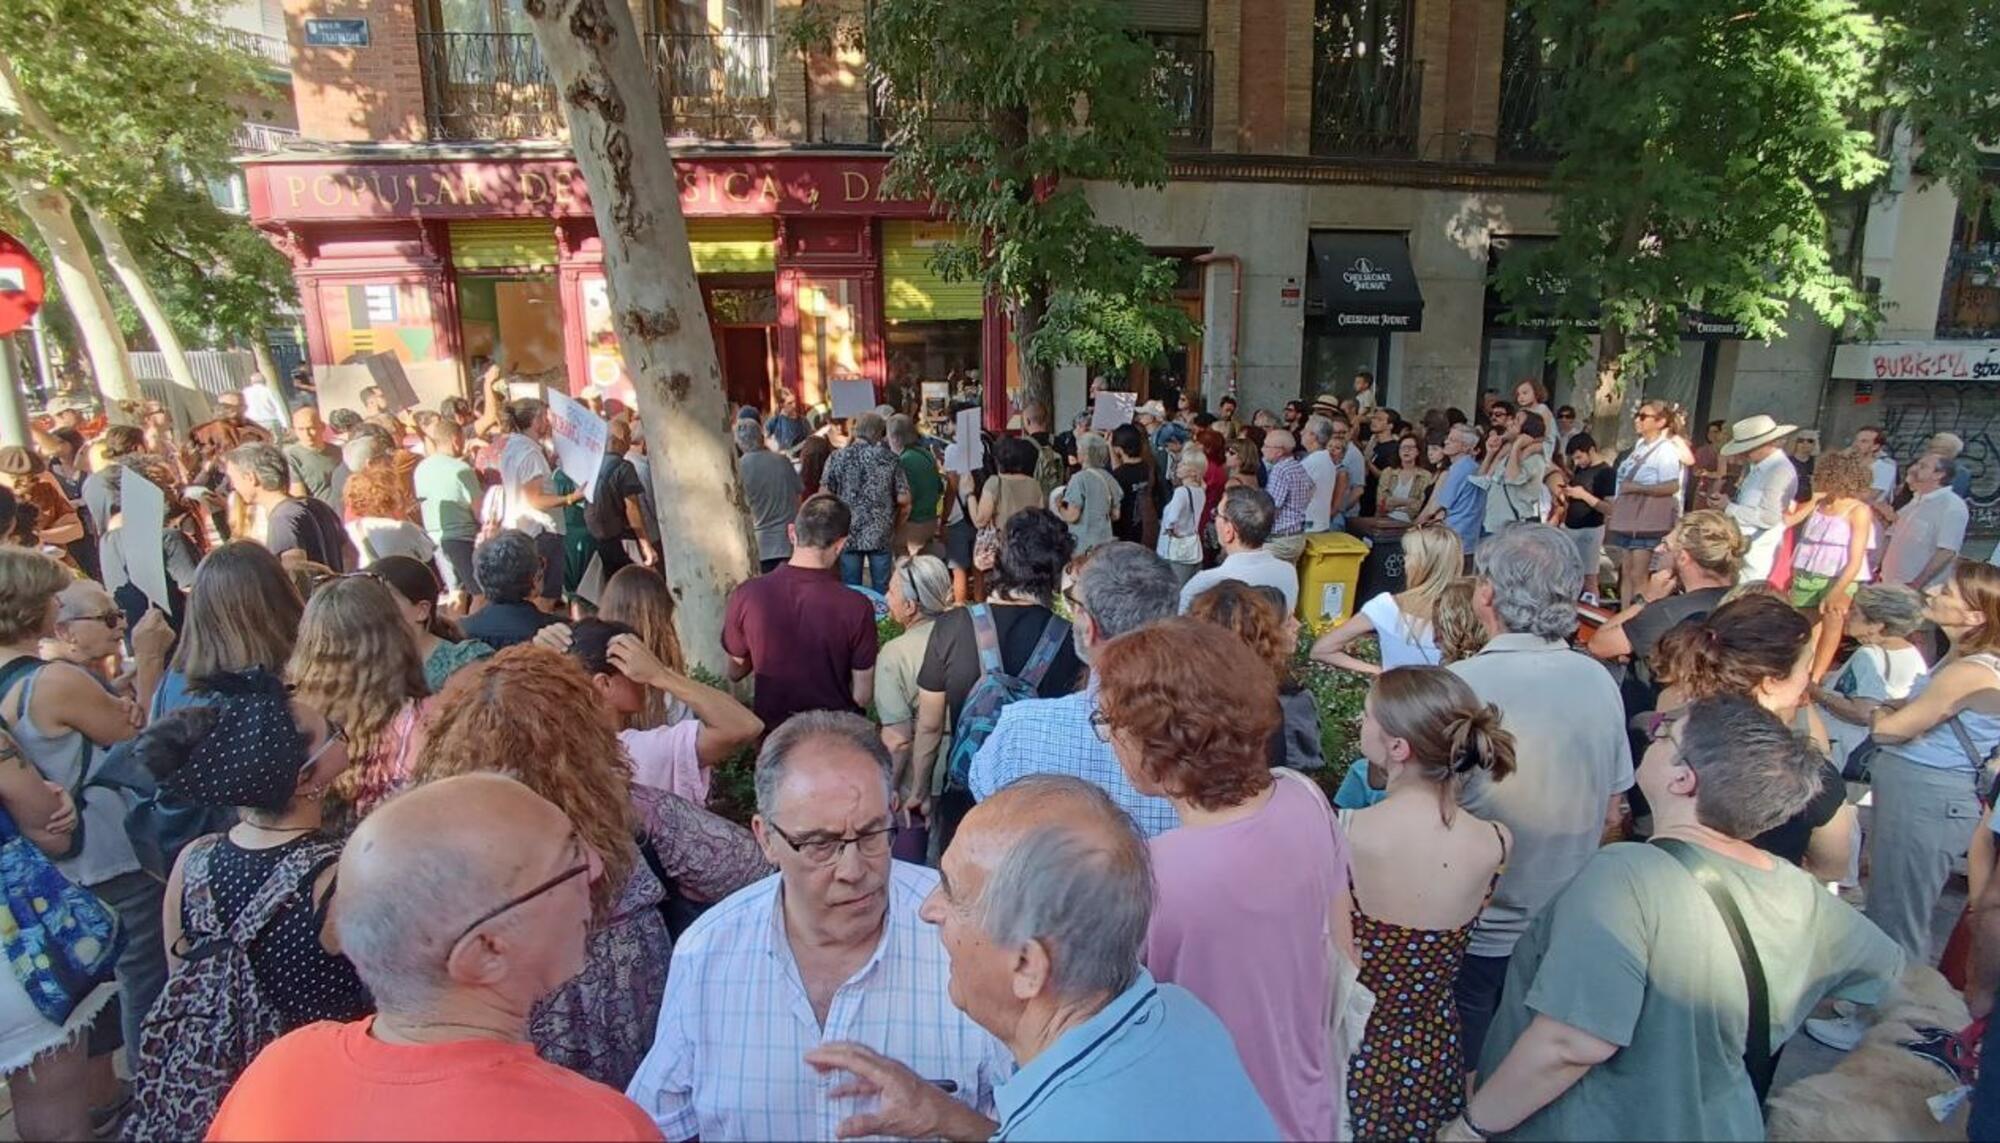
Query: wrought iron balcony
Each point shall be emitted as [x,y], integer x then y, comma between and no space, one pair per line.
[1529,81]
[1365,107]
[1185,76]
[714,85]
[1971,302]
[487,85]
[493,85]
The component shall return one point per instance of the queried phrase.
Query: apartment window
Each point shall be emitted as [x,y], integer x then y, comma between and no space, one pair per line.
[1365,86]
[1971,303]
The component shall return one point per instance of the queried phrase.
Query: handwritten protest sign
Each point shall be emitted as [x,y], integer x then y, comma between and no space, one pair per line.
[851,396]
[580,438]
[144,507]
[1111,410]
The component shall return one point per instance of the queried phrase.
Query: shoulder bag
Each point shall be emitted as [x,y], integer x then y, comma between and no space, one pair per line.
[1644,515]
[1757,1058]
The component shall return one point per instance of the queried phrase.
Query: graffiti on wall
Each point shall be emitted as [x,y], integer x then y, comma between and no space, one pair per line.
[1913,411]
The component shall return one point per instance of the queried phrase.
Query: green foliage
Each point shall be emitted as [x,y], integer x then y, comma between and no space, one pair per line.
[219,280]
[1339,695]
[1940,70]
[997,111]
[1702,141]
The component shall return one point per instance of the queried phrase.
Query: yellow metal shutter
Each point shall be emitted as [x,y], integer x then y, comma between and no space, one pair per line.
[733,245]
[527,245]
[914,291]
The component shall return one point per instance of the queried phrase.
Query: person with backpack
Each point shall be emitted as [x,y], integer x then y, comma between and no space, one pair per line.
[1121,588]
[980,658]
[245,910]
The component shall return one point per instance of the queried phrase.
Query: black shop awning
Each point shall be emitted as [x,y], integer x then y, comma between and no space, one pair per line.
[1363,283]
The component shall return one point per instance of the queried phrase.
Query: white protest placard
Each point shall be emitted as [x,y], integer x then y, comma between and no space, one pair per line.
[387,371]
[144,508]
[965,438]
[580,437]
[591,586]
[1111,410]
[851,396]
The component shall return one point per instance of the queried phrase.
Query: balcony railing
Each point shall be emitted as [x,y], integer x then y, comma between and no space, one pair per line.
[1971,303]
[268,49]
[487,85]
[263,138]
[1365,107]
[1529,82]
[715,85]
[493,85]
[1186,79]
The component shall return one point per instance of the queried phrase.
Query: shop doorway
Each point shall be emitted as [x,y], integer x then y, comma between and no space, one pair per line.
[515,321]
[743,315]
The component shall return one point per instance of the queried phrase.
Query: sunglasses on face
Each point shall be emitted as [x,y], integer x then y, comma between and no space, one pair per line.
[113,619]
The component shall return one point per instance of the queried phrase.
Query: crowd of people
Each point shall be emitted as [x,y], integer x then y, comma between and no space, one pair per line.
[394,819]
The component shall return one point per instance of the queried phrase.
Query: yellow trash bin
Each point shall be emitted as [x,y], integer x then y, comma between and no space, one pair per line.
[1329,569]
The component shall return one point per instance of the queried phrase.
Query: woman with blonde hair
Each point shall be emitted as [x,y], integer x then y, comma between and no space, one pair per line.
[1704,557]
[1403,623]
[1830,553]
[357,662]
[1257,615]
[540,703]
[1423,870]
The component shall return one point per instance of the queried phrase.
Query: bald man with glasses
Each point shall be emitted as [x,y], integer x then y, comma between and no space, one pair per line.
[462,903]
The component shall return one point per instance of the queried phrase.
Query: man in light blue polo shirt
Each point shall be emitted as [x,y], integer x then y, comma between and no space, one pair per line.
[1457,501]
[1042,906]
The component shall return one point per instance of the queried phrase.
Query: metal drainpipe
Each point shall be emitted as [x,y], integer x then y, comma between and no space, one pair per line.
[1235,263]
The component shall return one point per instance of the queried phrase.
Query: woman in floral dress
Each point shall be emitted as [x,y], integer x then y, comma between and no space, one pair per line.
[1425,868]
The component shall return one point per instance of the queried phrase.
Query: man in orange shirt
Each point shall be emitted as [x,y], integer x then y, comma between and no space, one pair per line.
[461,903]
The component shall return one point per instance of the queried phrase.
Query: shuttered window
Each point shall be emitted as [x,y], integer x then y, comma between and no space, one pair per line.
[527,245]
[733,245]
[1167,15]
[914,292]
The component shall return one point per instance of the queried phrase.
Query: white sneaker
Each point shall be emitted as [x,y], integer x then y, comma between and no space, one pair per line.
[1841,1031]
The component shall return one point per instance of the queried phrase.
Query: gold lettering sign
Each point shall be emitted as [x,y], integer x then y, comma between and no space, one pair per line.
[853,186]
[534,188]
[326,191]
[730,184]
[295,187]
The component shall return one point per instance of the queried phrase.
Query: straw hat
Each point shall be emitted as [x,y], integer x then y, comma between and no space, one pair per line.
[1753,432]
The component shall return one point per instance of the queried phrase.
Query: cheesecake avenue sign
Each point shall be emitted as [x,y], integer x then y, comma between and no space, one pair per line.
[555,189]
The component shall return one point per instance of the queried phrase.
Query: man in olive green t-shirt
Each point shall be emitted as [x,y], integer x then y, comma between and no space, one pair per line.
[926,486]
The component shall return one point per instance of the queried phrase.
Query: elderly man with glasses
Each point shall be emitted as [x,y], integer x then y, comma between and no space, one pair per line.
[831,948]
[462,904]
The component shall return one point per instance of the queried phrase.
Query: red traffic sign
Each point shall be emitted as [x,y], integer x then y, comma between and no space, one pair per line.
[21,284]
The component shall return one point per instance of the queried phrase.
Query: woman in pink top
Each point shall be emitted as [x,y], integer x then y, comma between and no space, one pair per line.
[1255,878]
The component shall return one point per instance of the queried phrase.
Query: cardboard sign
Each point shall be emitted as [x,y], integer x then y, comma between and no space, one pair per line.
[387,370]
[967,451]
[937,398]
[580,438]
[591,586]
[144,508]
[851,396]
[340,386]
[1110,410]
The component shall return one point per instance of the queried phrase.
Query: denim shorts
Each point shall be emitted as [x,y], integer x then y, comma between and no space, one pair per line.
[1632,541]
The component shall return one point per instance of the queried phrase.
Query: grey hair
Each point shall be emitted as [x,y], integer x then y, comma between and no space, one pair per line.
[1536,577]
[1093,451]
[1087,896]
[927,581]
[1125,586]
[847,729]
[1947,469]
[903,432]
[264,463]
[749,436]
[1320,429]
[1466,435]
[507,568]
[1947,445]
[869,427]
[1897,608]
[361,450]
[1754,772]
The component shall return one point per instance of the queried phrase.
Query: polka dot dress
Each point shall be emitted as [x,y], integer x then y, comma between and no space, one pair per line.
[298,976]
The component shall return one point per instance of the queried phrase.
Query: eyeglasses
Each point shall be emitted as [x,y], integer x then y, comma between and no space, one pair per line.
[827,850]
[579,869]
[109,618]
[335,732]
[1100,724]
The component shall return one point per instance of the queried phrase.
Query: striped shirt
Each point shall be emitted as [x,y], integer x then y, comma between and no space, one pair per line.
[728,1061]
[1291,489]
[1054,736]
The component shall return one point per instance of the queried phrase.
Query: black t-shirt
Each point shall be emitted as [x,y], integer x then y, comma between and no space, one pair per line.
[1789,839]
[313,528]
[1655,619]
[502,625]
[617,482]
[1600,480]
[951,663]
[1133,479]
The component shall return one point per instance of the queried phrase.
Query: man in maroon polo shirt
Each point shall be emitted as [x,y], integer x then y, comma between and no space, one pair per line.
[808,638]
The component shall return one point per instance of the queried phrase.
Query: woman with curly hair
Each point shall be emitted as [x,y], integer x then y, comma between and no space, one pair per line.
[380,516]
[1256,873]
[1830,552]
[539,703]
[1257,615]
[355,660]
